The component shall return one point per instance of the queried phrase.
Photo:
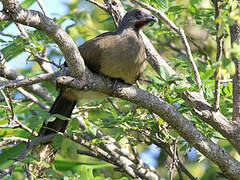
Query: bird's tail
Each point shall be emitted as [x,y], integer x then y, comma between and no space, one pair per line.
[62,106]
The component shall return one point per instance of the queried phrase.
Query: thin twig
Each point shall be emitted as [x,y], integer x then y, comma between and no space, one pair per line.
[24,99]
[17,124]
[5,172]
[217,74]
[174,162]
[30,81]
[39,139]
[43,59]
[134,150]
[114,105]
[38,55]
[10,103]
[43,8]
[111,150]
[103,7]
[90,107]
[26,94]
[28,174]
[95,155]
[7,140]
[12,74]
[22,30]
[226,80]
[173,47]
[8,35]
[8,106]
[33,98]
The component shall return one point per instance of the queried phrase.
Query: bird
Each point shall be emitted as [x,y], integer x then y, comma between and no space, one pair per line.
[119,54]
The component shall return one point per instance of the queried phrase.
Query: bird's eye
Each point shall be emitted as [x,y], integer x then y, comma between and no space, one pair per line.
[138,13]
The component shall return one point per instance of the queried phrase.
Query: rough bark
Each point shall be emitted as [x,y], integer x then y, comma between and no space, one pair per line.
[235,38]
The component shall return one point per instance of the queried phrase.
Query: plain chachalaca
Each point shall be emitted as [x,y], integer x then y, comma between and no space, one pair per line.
[120,54]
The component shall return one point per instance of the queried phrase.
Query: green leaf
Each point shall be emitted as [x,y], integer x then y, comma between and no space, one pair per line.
[208,73]
[124,178]
[227,91]
[27,3]
[12,50]
[85,173]
[57,141]
[46,164]
[30,159]
[190,80]
[181,87]
[164,74]
[51,173]
[92,130]
[175,8]
[75,124]
[101,178]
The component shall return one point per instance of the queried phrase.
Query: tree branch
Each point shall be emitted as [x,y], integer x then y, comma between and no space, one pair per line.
[43,8]
[11,74]
[194,99]
[217,74]
[101,6]
[110,151]
[33,98]
[7,140]
[32,80]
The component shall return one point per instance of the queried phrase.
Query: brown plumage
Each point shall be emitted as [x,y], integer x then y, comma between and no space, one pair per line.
[120,54]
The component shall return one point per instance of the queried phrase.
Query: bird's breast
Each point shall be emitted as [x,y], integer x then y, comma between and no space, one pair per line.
[125,59]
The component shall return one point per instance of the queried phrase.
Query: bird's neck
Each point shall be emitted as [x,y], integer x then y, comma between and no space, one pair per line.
[124,30]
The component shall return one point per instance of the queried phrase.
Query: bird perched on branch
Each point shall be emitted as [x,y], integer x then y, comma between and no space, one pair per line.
[120,54]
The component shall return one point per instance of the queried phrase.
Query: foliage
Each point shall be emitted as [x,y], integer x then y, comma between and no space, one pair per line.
[197,19]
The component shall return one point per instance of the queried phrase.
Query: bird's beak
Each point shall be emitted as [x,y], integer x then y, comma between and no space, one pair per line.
[152,18]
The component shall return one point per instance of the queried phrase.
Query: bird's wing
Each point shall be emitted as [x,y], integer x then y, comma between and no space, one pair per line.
[92,50]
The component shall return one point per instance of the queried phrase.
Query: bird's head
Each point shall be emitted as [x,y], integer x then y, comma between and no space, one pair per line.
[137,18]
